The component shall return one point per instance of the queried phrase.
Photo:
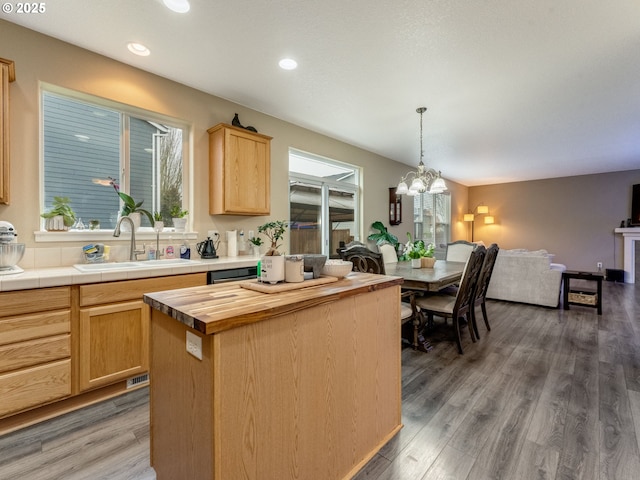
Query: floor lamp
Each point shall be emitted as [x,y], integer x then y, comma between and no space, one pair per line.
[481,210]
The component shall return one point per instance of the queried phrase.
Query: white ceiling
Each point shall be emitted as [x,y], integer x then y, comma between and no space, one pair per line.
[515,89]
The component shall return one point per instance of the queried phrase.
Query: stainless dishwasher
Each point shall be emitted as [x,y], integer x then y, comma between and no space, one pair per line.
[232,274]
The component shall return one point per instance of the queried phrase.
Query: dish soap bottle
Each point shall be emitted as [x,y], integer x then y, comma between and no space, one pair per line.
[185,251]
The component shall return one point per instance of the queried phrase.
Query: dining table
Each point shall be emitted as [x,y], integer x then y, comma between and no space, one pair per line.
[424,281]
[443,274]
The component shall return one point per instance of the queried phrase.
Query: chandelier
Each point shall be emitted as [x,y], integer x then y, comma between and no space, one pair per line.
[423,179]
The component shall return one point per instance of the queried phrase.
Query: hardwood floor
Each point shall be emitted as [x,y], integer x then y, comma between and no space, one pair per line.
[547,394]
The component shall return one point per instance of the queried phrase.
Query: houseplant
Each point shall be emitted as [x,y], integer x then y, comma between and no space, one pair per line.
[61,216]
[383,235]
[178,216]
[255,242]
[272,263]
[130,207]
[416,251]
[158,224]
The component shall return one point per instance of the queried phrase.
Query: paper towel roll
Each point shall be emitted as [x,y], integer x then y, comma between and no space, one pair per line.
[232,244]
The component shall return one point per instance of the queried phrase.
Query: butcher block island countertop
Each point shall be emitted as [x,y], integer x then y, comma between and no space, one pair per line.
[302,384]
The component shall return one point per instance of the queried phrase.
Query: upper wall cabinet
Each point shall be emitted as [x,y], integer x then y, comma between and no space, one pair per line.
[239,171]
[7,75]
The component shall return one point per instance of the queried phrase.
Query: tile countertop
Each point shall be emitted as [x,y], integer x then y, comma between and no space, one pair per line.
[59,276]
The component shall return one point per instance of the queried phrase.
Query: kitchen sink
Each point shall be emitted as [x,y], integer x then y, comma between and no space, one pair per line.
[103,267]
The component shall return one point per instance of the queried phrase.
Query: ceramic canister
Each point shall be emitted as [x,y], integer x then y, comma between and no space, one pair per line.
[294,268]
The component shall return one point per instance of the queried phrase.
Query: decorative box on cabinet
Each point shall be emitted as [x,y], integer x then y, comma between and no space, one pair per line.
[239,171]
[7,75]
[35,348]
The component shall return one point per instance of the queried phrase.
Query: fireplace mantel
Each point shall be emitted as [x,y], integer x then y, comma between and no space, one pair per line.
[629,236]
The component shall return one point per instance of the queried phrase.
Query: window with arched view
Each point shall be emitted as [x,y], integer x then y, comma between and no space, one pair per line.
[323,203]
[89,145]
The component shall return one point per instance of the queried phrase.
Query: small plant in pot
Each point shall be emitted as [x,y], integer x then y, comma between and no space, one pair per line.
[61,216]
[274,231]
[255,242]
[416,251]
[129,206]
[272,263]
[179,217]
[158,224]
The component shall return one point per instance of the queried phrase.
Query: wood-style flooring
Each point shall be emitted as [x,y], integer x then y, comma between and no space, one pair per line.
[547,394]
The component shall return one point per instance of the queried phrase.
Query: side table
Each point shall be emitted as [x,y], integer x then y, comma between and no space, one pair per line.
[582,297]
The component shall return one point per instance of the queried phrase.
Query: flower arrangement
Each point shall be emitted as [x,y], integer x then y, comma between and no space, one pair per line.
[129,205]
[417,249]
[274,231]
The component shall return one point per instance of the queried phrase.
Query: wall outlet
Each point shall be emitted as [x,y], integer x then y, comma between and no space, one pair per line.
[213,234]
[194,345]
[599,265]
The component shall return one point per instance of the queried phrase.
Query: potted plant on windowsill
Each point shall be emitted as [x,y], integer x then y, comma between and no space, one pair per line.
[178,216]
[272,263]
[158,224]
[61,216]
[130,208]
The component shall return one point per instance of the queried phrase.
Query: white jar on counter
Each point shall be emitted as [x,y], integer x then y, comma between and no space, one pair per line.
[294,268]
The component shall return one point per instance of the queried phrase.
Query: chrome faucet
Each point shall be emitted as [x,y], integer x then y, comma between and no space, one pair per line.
[132,248]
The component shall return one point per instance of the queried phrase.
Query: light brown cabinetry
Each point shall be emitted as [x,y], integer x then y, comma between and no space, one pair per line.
[239,171]
[113,333]
[35,348]
[7,75]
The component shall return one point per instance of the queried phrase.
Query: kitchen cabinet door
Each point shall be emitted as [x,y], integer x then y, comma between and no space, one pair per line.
[7,75]
[113,343]
[239,171]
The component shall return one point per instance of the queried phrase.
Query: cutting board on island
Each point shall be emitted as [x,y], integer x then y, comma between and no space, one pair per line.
[286,287]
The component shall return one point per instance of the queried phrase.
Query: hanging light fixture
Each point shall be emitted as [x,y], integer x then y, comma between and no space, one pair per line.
[423,178]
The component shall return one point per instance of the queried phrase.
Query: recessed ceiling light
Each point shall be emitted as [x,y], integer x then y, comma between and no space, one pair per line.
[288,64]
[138,49]
[179,6]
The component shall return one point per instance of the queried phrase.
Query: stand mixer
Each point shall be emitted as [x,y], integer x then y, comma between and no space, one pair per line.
[11,252]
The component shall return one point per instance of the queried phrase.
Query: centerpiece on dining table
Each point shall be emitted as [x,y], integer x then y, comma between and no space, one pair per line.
[420,254]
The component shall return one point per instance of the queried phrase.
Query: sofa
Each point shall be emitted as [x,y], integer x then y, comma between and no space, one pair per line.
[526,276]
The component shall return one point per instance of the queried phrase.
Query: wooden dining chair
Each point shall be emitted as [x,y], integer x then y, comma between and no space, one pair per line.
[367,261]
[459,251]
[389,254]
[480,293]
[363,259]
[458,307]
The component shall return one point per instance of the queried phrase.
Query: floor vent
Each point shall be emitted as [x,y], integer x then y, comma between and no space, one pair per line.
[135,381]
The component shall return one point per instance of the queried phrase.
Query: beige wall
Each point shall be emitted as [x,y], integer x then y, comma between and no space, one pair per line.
[573,217]
[42,59]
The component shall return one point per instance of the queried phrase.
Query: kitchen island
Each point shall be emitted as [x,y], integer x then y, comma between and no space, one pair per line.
[302,384]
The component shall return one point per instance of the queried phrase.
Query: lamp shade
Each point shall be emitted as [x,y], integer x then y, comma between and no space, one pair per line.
[489,219]
[483,209]
[402,189]
[468,217]
[438,185]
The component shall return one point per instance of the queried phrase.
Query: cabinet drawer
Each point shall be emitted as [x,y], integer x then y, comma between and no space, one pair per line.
[28,327]
[34,386]
[34,352]
[99,293]
[31,301]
